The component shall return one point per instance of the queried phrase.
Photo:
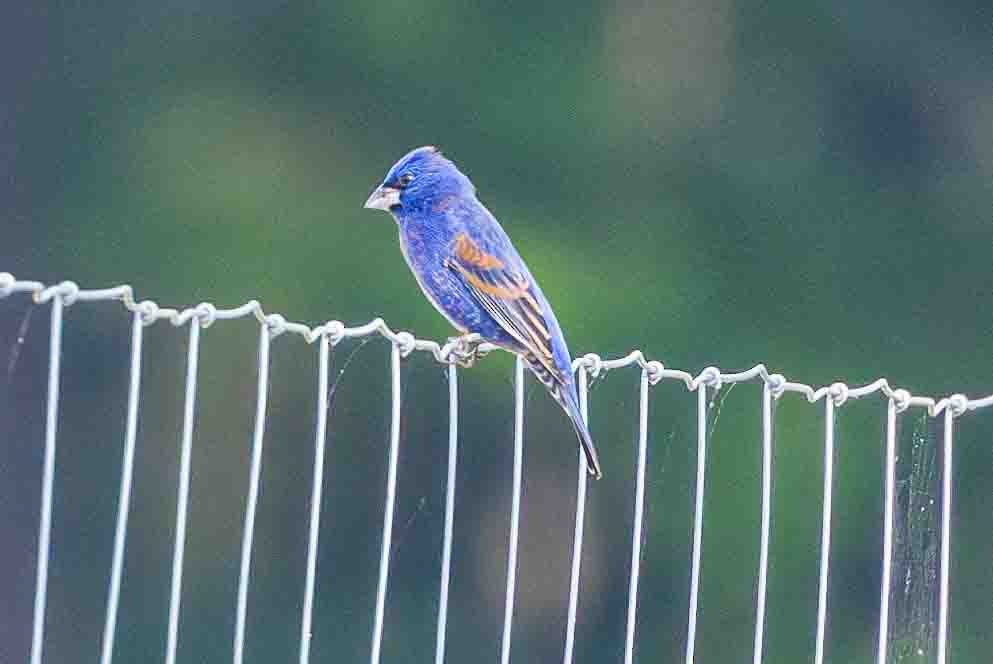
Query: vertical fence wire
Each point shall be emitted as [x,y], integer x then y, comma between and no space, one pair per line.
[315,499]
[888,509]
[48,480]
[515,510]
[391,489]
[124,496]
[822,583]
[446,546]
[248,533]
[946,535]
[701,475]
[766,514]
[639,518]
[577,540]
[183,491]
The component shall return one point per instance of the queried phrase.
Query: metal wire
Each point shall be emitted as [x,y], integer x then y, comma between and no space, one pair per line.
[207,313]
[446,547]
[391,492]
[639,517]
[946,532]
[306,623]
[515,510]
[701,476]
[577,539]
[766,517]
[822,579]
[403,344]
[183,492]
[124,497]
[888,509]
[248,533]
[48,480]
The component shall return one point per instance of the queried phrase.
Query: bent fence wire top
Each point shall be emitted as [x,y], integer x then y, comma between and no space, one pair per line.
[403,344]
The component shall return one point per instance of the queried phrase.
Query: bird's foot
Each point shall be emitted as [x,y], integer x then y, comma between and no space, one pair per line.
[465,349]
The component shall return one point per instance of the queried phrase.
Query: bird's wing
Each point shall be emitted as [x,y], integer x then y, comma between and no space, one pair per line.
[506,294]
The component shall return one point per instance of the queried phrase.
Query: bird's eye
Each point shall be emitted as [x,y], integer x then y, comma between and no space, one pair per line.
[405,180]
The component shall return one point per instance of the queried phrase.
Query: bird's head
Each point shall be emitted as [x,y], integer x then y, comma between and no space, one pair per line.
[420,177]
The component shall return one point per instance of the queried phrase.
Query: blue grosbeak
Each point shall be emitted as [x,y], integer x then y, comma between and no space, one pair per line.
[465,264]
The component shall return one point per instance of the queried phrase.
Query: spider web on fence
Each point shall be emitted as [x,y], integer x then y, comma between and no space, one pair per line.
[916,563]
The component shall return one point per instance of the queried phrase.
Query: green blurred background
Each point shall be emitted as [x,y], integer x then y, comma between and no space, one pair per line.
[803,184]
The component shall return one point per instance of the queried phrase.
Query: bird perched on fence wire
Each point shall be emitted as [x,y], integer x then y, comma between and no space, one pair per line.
[470,271]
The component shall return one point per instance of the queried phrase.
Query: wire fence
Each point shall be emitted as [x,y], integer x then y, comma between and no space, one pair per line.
[403,344]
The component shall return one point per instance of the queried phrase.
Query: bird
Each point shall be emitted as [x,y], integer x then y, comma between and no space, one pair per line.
[467,267]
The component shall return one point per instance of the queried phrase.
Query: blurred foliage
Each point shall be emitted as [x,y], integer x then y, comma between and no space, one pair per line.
[717,182]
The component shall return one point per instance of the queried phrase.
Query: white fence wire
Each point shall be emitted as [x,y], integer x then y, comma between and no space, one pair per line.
[774,385]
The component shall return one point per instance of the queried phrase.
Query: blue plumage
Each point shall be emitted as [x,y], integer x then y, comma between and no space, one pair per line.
[470,271]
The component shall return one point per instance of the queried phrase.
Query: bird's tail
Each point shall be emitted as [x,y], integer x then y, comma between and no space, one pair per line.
[565,395]
[568,402]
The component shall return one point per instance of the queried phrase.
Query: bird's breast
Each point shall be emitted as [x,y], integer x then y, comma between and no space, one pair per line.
[426,258]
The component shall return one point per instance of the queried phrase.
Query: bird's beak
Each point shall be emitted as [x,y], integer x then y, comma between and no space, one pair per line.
[383,198]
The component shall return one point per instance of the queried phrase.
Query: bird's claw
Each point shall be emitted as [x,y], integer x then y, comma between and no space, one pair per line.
[466,350]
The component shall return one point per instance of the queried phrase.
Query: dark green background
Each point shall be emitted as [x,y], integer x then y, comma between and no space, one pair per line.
[803,184]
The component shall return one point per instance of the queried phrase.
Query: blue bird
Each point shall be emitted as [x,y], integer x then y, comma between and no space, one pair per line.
[469,270]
